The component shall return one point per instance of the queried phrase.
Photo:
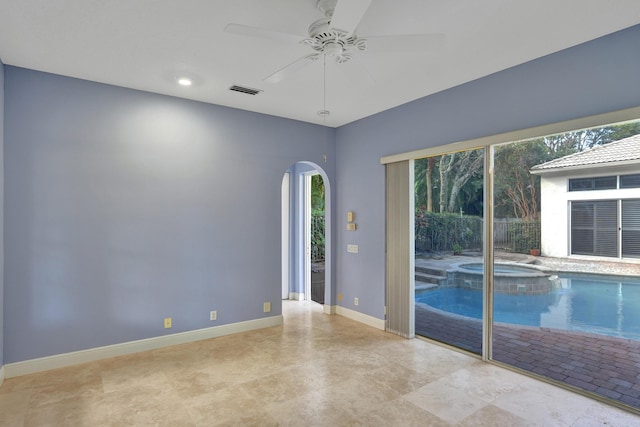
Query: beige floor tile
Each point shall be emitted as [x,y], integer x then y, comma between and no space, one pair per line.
[397,377]
[13,406]
[447,402]
[483,381]
[400,413]
[544,404]
[359,395]
[72,411]
[228,406]
[491,416]
[600,414]
[316,408]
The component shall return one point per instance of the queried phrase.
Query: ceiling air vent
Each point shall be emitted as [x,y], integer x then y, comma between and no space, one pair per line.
[244,89]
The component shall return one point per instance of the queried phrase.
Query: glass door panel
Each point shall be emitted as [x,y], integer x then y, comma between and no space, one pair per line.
[449,248]
[565,306]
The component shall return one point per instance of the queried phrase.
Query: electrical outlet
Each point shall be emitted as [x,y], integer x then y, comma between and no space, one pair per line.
[355,301]
[213,315]
[167,322]
[339,296]
[266,307]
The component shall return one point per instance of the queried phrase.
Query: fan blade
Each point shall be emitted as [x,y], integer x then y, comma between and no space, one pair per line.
[404,43]
[262,33]
[348,13]
[292,68]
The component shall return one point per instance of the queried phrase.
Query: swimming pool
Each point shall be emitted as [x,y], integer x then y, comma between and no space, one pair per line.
[596,304]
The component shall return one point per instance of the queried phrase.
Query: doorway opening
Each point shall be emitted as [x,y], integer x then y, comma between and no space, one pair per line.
[306,231]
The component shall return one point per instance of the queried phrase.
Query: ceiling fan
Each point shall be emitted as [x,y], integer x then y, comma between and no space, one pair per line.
[334,36]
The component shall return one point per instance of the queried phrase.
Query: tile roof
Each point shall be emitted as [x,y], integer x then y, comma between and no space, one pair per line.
[623,150]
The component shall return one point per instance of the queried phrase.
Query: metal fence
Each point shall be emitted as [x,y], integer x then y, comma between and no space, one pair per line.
[516,235]
[446,232]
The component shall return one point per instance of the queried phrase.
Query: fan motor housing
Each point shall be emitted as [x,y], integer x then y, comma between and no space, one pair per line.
[331,41]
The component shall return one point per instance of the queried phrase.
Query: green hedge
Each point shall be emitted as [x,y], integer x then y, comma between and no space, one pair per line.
[317,237]
[441,232]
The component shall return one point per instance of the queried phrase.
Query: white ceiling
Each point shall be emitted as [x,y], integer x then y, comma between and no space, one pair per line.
[146,44]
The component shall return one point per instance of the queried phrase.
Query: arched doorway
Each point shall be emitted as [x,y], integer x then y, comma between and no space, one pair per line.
[298,270]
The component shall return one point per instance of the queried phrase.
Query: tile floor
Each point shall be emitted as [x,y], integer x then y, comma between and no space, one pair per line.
[314,370]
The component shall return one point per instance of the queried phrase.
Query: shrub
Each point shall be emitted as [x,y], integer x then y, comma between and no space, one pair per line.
[440,232]
[317,236]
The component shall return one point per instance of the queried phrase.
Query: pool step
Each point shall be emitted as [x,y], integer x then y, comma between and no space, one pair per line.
[421,286]
[431,271]
[429,275]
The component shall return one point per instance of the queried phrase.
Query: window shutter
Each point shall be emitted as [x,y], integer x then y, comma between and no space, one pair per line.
[631,228]
[594,228]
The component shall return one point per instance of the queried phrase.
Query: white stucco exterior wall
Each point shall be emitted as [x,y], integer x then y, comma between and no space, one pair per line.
[554,218]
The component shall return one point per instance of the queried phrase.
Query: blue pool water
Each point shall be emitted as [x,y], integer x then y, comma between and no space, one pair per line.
[584,303]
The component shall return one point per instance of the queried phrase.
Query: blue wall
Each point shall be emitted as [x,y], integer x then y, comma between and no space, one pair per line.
[596,77]
[1,214]
[125,207]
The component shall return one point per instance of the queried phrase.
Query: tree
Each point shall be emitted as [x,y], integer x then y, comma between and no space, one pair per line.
[580,140]
[468,164]
[446,179]
[430,165]
[426,182]
[317,194]
[445,166]
[517,192]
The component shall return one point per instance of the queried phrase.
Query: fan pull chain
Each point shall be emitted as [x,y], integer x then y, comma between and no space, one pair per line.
[325,113]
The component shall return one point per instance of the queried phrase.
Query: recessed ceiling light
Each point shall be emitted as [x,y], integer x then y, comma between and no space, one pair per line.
[184,81]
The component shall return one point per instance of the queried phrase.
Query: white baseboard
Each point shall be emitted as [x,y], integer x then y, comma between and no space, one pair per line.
[83,356]
[296,296]
[361,317]
[1,374]
[329,309]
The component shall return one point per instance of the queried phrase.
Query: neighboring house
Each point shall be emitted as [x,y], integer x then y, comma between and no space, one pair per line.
[590,202]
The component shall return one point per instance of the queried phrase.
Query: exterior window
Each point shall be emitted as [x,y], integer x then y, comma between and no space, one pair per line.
[630,181]
[594,228]
[589,184]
